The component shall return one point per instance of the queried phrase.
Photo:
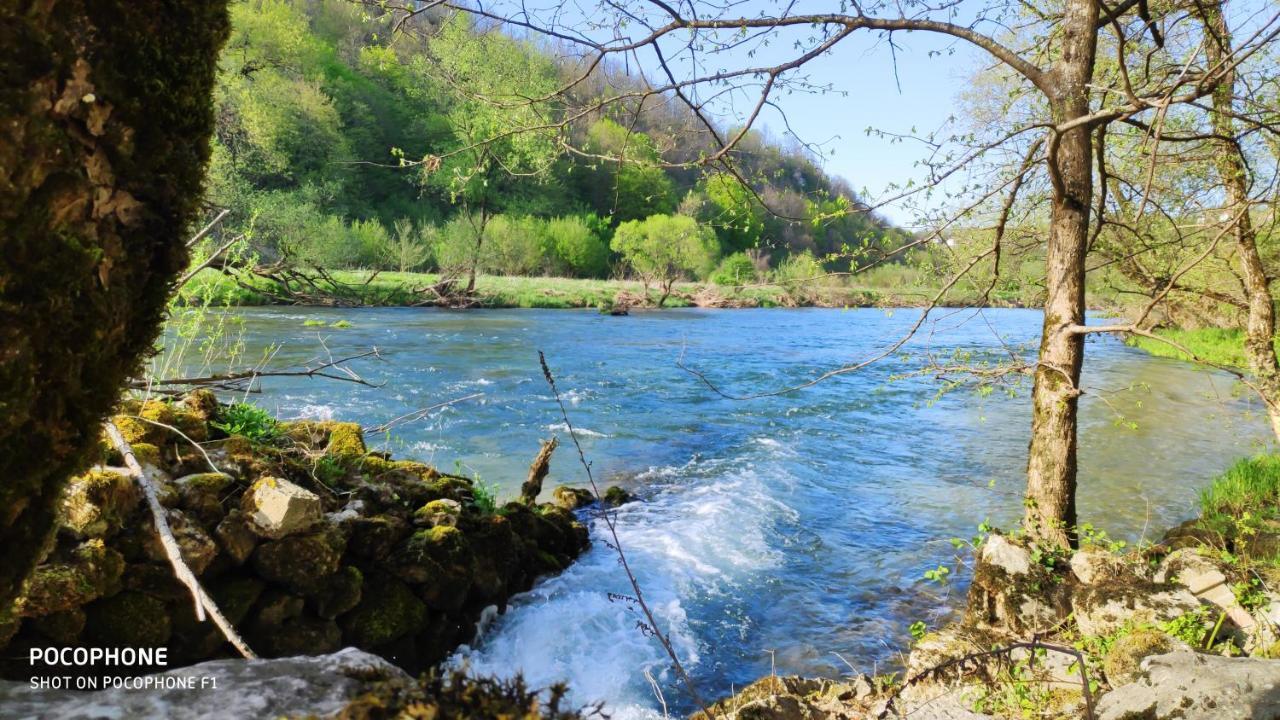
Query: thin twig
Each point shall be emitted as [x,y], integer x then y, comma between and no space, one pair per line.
[181,570]
[617,545]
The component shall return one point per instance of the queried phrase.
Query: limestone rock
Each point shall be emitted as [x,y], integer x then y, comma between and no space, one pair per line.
[1103,609]
[1124,660]
[1192,686]
[1092,566]
[92,571]
[793,698]
[387,612]
[127,619]
[198,549]
[615,496]
[1205,580]
[202,494]
[288,687]
[277,508]
[997,551]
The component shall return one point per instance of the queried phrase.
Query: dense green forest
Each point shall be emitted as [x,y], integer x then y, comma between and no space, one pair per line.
[341,143]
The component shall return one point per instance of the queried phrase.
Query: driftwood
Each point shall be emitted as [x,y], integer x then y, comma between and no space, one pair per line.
[203,603]
[538,472]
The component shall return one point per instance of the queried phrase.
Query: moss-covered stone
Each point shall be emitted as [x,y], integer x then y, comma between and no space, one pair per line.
[92,571]
[387,612]
[441,561]
[128,619]
[97,502]
[438,512]
[1129,650]
[341,593]
[346,441]
[160,413]
[190,423]
[202,495]
[63,628]
[571,498]
[201,403]
[615,496]
[374,538]
[302,563]
[235,537]
[147,454]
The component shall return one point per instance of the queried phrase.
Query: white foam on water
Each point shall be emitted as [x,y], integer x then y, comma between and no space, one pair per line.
[697,536]
[316,412]
[564,427]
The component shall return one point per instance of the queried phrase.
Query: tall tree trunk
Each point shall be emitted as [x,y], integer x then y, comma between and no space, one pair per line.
[105,118]
[1233,171]
[1051,465]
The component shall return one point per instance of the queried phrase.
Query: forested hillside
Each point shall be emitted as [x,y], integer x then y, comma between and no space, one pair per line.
[342,143]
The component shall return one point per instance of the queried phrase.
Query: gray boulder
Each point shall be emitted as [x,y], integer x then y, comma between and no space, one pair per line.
[317,686]
[1192,686]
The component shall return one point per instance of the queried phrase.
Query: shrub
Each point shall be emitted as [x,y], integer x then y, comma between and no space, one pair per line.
[513,246]
[664,248]
[800,276]
[736,269]
[577,248]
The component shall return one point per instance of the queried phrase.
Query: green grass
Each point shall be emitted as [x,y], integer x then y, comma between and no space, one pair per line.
[1250,488]
[881,288]
[248,420]
[1214,345]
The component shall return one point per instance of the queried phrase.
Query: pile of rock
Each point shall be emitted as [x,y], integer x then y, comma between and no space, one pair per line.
[307,541]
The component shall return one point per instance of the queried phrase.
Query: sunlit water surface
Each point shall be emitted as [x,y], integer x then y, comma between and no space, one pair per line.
[786,533]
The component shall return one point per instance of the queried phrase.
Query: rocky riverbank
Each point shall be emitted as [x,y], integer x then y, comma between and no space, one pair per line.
[306,540]
[1188,628]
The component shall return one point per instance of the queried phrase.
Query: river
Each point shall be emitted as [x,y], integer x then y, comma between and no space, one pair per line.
[786,533]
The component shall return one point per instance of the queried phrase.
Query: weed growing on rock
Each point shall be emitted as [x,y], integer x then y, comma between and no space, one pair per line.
[248,420]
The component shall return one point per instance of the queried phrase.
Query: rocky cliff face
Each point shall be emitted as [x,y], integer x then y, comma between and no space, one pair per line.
[306,540]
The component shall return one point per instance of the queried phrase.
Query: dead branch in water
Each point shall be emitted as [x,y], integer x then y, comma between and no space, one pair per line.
[332,369]
[181,571]
[418,414]
[532,487]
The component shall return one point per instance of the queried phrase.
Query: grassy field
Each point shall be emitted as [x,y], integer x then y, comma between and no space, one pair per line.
[398,289]
[1215,345]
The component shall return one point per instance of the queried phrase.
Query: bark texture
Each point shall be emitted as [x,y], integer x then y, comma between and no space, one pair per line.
[105,118]
[1051,465]
[1233,171]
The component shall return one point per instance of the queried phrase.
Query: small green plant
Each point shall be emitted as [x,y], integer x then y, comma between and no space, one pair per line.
[1192,627]
[1094,537]
[248,420]
[327,470]
[1251,594]
[313,323]
[484,496]
[939,574]
[341,325]
[918,630]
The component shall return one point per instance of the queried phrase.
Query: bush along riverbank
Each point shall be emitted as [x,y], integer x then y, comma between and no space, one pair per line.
[1186,628]
[306,540]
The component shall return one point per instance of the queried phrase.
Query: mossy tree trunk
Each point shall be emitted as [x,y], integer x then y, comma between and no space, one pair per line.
[105,119]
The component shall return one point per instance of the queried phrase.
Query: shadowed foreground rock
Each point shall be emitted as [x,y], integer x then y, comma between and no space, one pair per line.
[286,687]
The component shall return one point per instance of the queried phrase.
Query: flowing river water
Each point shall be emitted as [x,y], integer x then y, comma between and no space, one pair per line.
[786,533]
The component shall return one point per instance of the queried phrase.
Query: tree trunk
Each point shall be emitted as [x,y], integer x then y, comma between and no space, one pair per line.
[1260,326]
[105,118]
[1051,464]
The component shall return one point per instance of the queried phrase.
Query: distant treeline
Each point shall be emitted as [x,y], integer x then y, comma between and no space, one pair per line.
[343,144]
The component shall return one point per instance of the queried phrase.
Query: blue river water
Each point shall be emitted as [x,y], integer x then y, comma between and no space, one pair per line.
[786,533]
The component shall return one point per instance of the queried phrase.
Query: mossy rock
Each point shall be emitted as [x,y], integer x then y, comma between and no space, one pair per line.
[302,563]
[92,571]
[147,454]
[96,503]
[374,538]
[156,580]
[135,431]
[202,495]
[387,612]
[340,594]
[63,628]
[191,424]
[302,635]
[440,560]
[616,496]
[571,498]
[1127,653]
[438,513]
[158,411]
[202,403]
[128,619]
[346,441]
[274,607]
